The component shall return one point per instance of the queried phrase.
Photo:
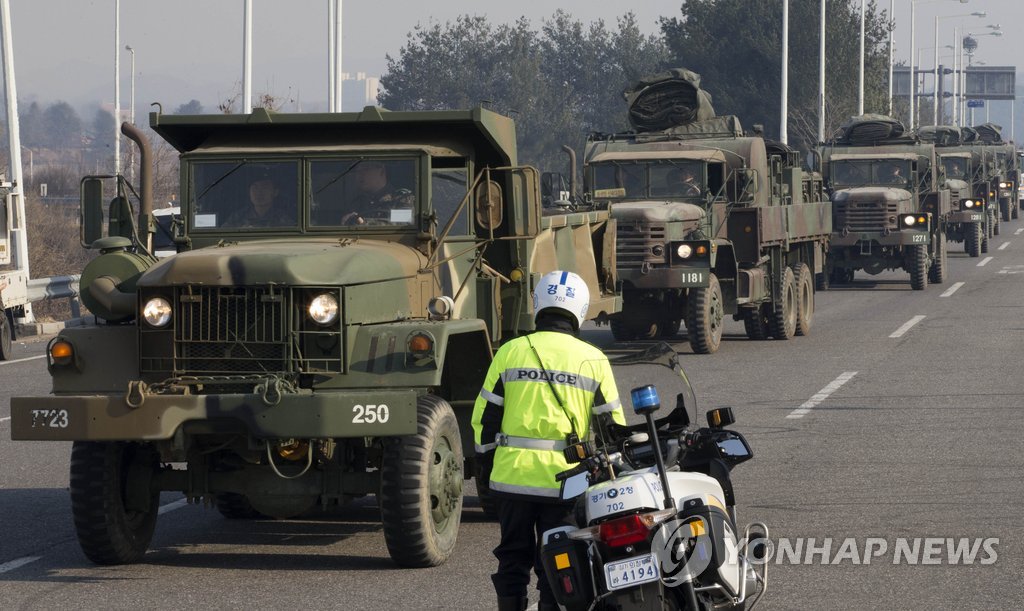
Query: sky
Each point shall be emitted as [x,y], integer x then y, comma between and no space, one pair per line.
[185,49]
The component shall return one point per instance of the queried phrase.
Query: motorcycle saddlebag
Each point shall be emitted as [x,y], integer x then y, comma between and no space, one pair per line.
[568,568]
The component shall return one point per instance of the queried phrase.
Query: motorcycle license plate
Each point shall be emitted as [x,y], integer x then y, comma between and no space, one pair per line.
[631,572]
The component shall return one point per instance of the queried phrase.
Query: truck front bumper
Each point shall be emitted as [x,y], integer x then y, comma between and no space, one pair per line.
[675,277]
[304,415]
[903,237]
[966,216]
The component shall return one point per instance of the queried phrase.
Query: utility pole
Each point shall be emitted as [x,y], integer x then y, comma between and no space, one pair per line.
[247,58]
[117,87]
[783,127]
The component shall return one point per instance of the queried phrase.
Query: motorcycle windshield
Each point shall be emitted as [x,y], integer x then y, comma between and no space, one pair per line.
[640,366]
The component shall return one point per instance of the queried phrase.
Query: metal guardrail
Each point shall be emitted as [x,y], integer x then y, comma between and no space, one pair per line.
[55,287]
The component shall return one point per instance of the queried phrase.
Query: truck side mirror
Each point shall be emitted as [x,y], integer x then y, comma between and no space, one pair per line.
[91,210]
[490,205]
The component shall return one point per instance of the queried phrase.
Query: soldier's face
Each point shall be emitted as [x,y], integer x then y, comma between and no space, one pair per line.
[262,194]
[370,178]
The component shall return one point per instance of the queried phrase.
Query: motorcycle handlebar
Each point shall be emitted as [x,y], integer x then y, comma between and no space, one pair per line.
[583,467]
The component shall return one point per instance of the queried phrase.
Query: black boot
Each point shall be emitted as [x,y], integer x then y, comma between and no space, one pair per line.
[511,603]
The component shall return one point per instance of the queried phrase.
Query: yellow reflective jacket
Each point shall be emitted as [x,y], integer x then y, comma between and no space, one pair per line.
[518,417]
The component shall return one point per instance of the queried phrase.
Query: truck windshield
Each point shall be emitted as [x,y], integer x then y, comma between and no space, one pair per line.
[363,192]
[241,194]
[880,172]
[956,167]
[645,180]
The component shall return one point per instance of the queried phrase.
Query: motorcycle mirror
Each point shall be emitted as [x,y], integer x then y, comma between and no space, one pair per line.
[574,486]
[733,447]
[684,416]
[722,416]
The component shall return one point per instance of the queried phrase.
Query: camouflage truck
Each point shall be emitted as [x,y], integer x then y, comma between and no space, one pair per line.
[962,171]
[710,222]
[1003,174]
[889,210]
[268,368]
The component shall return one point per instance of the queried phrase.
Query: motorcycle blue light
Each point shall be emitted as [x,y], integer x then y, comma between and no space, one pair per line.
[645,399]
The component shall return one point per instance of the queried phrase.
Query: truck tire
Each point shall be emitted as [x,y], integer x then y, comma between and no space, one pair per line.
[704,316]
[113,507]
[1004,209]
[756,324]
[995,225]
[804,298]
[937,272]
[234,506]
[917,265]
[972,240]
[783,315]
[821,281]
[1014,211]
[421,487]
[6,336]
[621,331]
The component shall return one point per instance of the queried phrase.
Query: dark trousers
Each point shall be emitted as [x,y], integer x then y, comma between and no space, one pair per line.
[522,524]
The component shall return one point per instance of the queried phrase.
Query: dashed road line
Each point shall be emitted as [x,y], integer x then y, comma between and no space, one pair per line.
[984,261]
[907,325]
[17,563]
[31,358]
[172,506]
[822,394]
[952,289]
[1018,232]
[1003,246]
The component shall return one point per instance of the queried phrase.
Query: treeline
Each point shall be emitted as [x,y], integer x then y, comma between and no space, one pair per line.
[565,79]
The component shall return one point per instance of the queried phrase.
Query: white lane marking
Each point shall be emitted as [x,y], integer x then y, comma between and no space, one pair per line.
[172,506]
[20,562]
[952,289]
[31,358]
[822,394]
[1018,232]
[984,261]
[1003,246]
[906,326]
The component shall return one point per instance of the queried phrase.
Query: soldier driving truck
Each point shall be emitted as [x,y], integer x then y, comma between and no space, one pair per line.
[275,370]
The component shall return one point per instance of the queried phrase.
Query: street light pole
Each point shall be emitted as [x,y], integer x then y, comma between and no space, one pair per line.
[117,87]
[935,97]
[892,31]
[247,58]
[131,114]
[783,127]
[860,94]
[821,76]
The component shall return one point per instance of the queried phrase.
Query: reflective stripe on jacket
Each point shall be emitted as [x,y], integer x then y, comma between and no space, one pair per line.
[518,418]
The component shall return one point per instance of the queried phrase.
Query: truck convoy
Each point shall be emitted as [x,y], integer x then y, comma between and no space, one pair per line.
[710,222]
[340,283]
[889,209]
[963,171]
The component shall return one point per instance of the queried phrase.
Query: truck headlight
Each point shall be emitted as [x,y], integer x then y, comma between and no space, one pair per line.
[909,220]
[968,203]
[1005,185]
[157,312]
[684,251]
[324,309]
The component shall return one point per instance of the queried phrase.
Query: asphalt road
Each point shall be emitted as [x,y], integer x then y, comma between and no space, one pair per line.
[899,418]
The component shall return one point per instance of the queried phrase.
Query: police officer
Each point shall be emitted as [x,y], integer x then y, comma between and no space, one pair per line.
[541,389]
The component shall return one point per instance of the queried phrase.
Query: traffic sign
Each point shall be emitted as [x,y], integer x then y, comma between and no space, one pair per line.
[975,103]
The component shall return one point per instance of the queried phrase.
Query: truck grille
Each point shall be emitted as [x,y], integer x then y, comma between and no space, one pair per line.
[240,331]
[865,216]
[634,244]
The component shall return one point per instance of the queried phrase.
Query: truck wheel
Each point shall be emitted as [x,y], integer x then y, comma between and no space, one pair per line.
[234,506]
[669,328]
[972,240]
[804,298]
[6,336]
[621,331]
[421,487]
[783,315]
[821,281]
[112,500]
[995,225]
[937,272]
[755,322]
[1004,209]
[704,317]
[917,265]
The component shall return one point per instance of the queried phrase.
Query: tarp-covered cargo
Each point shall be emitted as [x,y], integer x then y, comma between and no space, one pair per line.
[668,99]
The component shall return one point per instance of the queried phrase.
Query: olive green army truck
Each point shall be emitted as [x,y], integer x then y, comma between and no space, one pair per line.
[321,334]
[962,171]
[710,222]
[1004,173]
[889,210]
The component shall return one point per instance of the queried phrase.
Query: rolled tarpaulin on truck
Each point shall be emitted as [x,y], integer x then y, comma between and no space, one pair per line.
[869,128]
[668,99]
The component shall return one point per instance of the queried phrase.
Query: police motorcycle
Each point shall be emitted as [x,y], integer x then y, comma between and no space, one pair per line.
[655,513]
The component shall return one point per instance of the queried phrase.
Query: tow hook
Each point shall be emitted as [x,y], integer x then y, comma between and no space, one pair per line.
[269,391]
[136,394]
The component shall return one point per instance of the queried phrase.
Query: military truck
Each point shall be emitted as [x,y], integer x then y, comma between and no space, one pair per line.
[710,221]
[962,171]
[889,210]
[1003,175]
[332,351]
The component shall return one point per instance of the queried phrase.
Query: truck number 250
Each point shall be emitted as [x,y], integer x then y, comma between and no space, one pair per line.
[369,414]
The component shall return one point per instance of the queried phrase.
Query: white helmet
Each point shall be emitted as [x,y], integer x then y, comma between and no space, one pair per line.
[562,290]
